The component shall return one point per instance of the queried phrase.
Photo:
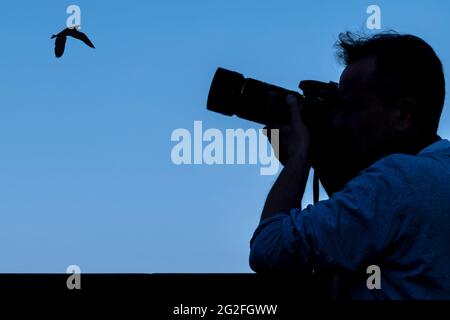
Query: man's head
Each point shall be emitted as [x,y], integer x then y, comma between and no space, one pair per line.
[392,92]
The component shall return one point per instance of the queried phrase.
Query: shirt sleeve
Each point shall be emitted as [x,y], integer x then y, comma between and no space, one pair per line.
[350,230]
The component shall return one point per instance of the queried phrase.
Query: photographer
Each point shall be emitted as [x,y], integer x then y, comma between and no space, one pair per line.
[394,210]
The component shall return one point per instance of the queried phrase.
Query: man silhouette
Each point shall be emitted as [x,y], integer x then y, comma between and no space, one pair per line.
[393,210]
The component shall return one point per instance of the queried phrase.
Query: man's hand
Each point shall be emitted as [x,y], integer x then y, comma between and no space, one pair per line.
[293,137]
[287,191]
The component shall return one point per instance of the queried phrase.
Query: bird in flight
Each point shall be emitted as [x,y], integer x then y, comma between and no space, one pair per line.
[60,42]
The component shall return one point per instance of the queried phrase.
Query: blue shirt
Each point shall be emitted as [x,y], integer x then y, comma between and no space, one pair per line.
[394,214]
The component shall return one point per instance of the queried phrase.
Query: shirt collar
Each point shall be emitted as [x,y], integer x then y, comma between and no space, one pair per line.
[436,146]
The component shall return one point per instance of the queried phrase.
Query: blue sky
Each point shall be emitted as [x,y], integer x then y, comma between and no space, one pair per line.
[86,176]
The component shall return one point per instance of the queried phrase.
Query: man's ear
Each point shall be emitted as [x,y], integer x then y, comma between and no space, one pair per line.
[404,114]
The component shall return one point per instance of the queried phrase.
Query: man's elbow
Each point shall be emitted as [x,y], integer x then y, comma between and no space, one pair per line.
[268,251]
[258,261]
[265,258]
[268,255]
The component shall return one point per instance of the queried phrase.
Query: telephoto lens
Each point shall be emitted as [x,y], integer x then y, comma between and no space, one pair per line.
[233,94]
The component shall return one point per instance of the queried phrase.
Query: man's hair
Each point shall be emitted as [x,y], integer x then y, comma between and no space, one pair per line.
[405,66]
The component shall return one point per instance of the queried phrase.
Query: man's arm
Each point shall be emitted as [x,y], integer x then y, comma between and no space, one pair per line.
[351,230]
[288,189]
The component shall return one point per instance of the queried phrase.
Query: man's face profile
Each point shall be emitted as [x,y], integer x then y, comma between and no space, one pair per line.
[362,122]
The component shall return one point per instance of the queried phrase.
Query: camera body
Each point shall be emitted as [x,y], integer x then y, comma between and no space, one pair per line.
[233,94]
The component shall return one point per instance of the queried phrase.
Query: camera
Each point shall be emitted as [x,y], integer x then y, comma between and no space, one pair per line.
[233,94]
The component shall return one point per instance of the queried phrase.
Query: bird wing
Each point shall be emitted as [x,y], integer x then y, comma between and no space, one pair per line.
[60,44]
[81,36]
